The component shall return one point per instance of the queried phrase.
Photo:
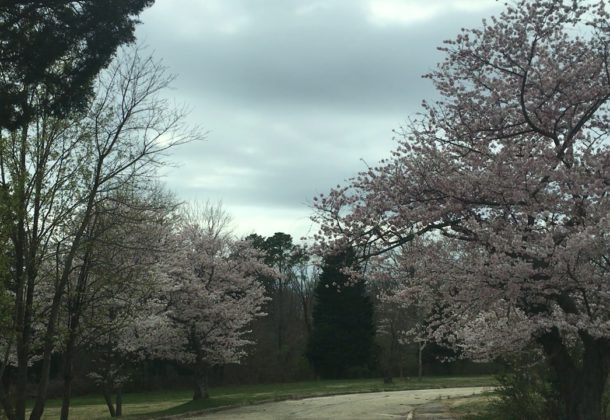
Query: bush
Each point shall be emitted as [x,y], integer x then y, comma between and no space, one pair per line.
[527,391]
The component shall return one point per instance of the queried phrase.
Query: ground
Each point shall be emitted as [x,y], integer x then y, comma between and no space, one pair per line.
[378,405]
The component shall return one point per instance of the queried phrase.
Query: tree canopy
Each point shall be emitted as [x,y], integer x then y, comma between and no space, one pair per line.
[505,181]
[53,50]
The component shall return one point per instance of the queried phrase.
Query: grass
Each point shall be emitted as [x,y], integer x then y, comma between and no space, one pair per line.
[160,404]
[481,407]
[473,408]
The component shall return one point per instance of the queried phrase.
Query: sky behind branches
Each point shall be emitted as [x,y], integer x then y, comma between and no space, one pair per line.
[296,95]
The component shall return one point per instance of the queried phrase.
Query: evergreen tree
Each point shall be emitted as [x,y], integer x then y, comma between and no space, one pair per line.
[343,329]
[52,51]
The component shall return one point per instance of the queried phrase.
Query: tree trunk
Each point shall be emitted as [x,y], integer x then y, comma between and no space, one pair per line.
[280,317]
[23,317]
[49,336]
[420,364]
[74,308]
[49,339]
[68,377]
[6,403]
[65,403]
[580,385]
[20,388]
[306,318]
[388,369]
[119,402]
[201,384]
[387,377]
[109,404]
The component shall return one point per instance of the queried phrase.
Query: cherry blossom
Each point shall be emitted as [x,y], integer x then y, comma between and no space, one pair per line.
[212,294]
[502,186]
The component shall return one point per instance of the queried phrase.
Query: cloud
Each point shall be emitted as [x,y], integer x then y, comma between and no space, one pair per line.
[293,93]
[190,19]
[332,60]
[405,12]
[393,11]
[267,221]
[312,8]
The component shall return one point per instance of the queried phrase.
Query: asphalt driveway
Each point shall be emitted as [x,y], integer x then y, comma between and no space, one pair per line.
[376,405]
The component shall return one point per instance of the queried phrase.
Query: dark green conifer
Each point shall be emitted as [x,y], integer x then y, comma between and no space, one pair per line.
[343,329]
[52,50]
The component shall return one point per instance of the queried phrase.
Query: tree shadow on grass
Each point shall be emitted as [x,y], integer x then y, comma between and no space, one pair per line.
[192,407]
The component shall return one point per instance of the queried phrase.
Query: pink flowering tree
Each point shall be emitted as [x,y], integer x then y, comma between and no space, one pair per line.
[125,329]
[212,296]
[116,290]
[507,179]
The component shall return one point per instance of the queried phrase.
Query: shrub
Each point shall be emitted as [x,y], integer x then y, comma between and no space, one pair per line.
[527,391]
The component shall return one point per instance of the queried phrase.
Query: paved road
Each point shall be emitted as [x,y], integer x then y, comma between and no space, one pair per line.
[376,405]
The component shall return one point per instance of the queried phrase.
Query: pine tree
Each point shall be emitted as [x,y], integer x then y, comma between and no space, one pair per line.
[53,50]
[343,329]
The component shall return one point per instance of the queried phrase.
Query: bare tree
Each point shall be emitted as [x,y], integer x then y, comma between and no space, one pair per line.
[59,173]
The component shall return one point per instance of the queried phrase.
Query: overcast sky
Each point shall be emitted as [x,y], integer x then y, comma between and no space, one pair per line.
[295,94]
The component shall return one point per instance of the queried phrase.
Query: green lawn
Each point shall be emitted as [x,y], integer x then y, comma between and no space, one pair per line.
[159,404]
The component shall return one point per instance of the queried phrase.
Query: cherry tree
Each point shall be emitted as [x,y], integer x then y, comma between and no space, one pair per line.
[212,296]
[126,327]
[116,281]
[506,178]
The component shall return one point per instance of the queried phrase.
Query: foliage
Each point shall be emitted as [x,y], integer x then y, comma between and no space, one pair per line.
[55,49]
[343,330]
[282,335]
[505,180]
[279,252]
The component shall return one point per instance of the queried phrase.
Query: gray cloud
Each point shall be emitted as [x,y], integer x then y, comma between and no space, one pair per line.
[332,60]
[294,94]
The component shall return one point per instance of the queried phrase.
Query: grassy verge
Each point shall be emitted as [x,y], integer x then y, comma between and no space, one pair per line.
[486,407]
[473,408]
[160,404]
